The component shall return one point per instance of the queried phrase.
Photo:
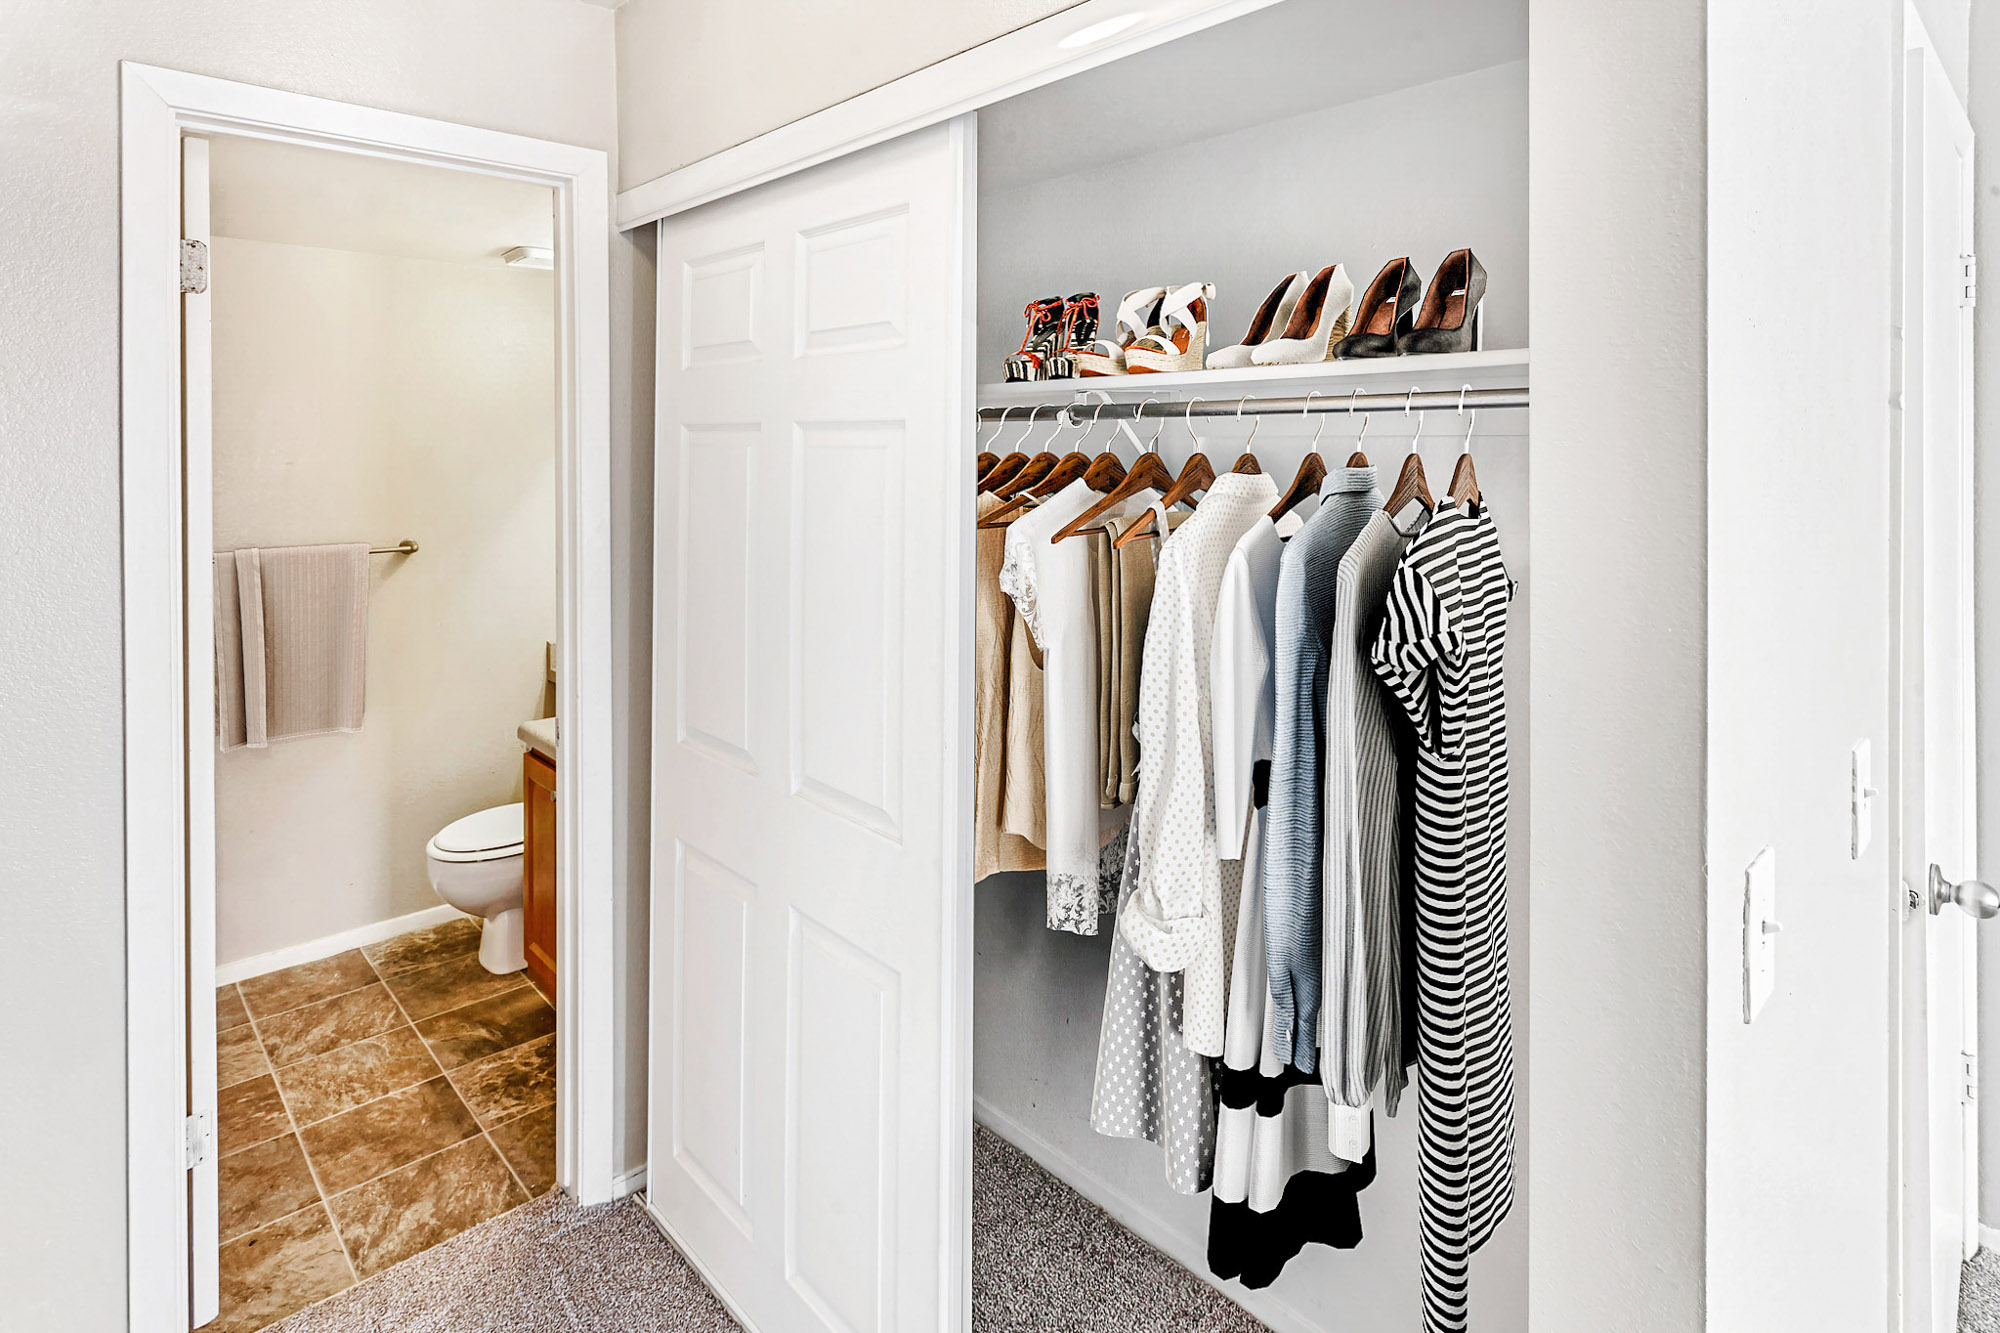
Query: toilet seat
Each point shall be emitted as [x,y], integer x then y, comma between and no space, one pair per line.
[484,835]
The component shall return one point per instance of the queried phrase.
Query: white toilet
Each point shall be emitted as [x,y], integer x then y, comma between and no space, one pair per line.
[475,865]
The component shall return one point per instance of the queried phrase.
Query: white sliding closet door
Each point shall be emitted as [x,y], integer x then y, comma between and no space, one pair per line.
[810,1038]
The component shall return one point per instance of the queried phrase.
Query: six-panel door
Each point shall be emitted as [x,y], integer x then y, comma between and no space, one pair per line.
[810,638]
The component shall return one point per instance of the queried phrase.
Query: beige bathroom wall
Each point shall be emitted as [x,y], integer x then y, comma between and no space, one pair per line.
[368,397]
[698,76]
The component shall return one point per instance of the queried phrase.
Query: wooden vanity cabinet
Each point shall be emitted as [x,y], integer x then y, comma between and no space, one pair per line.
[538,869]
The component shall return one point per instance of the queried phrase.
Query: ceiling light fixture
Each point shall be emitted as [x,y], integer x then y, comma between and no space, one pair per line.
[1092,34]
[530,256]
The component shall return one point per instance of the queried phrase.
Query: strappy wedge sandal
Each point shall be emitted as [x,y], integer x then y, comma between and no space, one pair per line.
[1138,315]
[1182,339]
[1042,341]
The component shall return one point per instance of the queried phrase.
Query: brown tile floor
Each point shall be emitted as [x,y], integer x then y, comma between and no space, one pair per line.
[372,1105]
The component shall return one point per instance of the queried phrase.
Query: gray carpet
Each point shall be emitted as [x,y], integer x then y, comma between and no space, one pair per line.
[1044,1260]
[1047,1260]
[1979,1295]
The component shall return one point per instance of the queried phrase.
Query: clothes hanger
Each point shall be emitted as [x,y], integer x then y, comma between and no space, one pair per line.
[984,463]
[1037,467]
[1148,472]
[1464,481]
[1061,471]
[1247,461]
[1357,458]
[1312,471]
[1198,475]
[1410,482]
[1107,469]
[1002,471]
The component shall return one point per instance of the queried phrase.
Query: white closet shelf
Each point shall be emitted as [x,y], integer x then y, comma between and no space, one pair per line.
[1494,369]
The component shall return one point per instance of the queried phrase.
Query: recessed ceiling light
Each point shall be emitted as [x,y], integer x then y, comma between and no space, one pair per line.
[530,256]
[1092,34]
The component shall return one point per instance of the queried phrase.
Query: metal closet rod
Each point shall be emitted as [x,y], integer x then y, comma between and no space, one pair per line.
[1331,404]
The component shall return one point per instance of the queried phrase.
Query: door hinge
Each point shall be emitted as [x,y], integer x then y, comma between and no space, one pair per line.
[1968,291]
[194,267]
[200,1139]
[1971,1076]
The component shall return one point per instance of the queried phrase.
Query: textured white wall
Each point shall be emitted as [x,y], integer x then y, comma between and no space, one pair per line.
[539,67]
[1801,183]
[374,397]
[695,78]
[1618,480]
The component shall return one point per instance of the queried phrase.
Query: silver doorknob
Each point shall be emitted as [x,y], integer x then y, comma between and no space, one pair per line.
[1976,898]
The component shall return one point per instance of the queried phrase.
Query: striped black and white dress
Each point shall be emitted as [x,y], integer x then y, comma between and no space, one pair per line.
[1440,651]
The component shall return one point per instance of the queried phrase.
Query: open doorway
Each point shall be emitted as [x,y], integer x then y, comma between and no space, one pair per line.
[329,360]
[383,491]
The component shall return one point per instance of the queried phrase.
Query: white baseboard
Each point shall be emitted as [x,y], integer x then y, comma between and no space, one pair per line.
[628,1182]
[1989,1238]
[1190,1253]
[329,945]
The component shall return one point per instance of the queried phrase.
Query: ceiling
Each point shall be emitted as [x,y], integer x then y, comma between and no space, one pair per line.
[260,190]
[1285,60]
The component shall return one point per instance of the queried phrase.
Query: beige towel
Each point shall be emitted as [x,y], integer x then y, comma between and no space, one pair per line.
[291,642]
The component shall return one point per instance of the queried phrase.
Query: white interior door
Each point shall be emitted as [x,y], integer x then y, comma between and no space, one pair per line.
[810,1077]
[198,688]
[1938,775]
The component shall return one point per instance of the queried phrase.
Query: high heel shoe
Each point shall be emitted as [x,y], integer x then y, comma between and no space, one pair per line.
[1453,317]
[1388,310]
[1318,322]
[1041,341]
[1181,340]
[1138,315]
[1269,322]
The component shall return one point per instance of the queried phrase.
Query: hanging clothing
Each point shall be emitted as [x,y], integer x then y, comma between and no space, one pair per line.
[1294,864]
[1361,1010]
[1132,585]
[1149,1084]
[993,848]
[1023,780]
[1050,583]
[1103,580]
[1182,916]
[1440,651]
[1279,1185]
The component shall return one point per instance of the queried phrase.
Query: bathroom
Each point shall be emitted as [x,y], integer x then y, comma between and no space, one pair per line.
[384,343]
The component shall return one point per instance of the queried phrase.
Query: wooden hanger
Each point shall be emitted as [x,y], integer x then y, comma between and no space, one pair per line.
[1106,473]
[1067,469]
[1464,481]
[1148,472]
[1312,471]
[1001,472]
[984,463]
[1410,485]
[1198,475]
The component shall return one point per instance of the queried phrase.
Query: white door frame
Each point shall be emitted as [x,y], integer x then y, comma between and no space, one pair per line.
[168,826]
[1908,460]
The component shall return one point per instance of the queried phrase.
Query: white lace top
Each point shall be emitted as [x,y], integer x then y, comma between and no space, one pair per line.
[1054,593]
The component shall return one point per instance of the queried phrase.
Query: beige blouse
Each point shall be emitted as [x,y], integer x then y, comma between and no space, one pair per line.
[1007,830]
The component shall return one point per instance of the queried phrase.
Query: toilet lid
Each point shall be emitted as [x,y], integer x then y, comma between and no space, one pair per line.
[494,830]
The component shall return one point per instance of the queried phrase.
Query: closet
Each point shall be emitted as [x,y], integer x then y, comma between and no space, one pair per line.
[834,1000]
